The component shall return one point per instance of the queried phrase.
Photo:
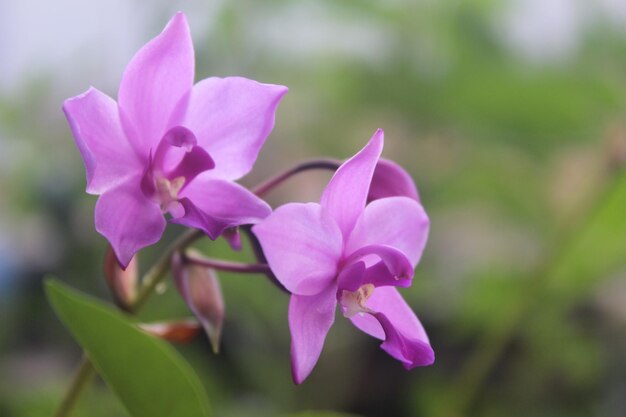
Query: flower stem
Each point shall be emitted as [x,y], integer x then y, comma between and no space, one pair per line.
[229,266]
[267,186]
[85,373]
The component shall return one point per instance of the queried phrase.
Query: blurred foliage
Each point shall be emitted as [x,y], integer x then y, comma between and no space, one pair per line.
[521,287]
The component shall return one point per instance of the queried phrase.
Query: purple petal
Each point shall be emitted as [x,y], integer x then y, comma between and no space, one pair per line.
[231,118]
[154,81]
[410,351]
[394,322]
[233,237]
[391,180]
[178,156]
[395,260]
[194,163]
[109,159]
[395,221]
[180,137]
[302,244]
[310,318]
[213,205]
[351,277]
[345,195]
[380,275]
[128,220]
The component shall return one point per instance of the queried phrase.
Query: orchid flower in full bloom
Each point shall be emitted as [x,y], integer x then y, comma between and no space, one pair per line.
[345,252]
[169,146]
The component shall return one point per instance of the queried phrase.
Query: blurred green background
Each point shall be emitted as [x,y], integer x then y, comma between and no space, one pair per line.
[511,117]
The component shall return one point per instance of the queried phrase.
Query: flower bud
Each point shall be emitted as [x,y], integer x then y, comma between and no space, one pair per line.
[233,237]
[200,289]
[391,180]
[176,331]
[122,283]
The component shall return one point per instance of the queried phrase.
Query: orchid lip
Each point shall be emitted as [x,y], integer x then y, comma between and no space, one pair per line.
[353,302]
[395,260]
[164,185]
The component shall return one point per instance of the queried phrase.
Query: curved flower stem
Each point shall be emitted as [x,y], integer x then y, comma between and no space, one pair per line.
[86,371]
[491,347]
[267,186]
[229,266]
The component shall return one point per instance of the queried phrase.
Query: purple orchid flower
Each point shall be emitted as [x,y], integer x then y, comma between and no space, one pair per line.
[168,146]
[345,252]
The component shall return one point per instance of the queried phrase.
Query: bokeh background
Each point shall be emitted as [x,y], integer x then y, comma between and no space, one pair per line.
[511,117]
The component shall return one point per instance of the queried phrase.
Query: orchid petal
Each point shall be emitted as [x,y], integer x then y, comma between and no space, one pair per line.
[108,156]
[302,244]
[399,222]
[395,260]
[233,237]
[351,277]
[391,180]
[231,118]
[394,322]
[128,220]
[194,163]
[213,205]
[177,155]
[346,193]
[410,351]
[154,81]
[310,318]
[379,275]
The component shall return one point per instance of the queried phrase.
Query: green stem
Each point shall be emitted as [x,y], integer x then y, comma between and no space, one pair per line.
[86,372]
[84,375]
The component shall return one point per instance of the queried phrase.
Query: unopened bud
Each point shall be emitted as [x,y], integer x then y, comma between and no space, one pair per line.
[233,237]
[176,331]
[122,283]
[391,180]
[200,289]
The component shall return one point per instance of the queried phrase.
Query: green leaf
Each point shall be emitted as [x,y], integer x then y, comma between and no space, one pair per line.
[147,375]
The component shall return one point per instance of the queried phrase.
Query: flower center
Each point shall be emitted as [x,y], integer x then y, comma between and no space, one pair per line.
[175,162]
[353,302]
[167,192]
